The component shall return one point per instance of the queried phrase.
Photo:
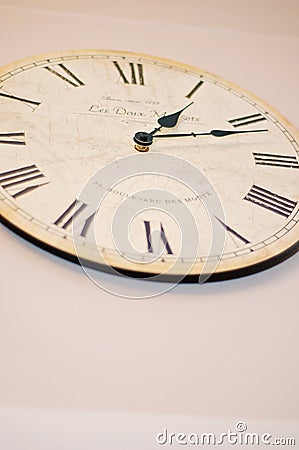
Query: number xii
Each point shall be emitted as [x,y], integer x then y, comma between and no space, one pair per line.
[134,74]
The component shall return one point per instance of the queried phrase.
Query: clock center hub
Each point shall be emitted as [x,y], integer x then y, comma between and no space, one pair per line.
[143,140]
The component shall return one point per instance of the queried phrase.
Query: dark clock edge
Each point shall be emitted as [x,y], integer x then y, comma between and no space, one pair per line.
[232,274]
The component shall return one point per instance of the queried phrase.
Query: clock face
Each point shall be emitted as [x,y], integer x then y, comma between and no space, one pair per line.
[147,166]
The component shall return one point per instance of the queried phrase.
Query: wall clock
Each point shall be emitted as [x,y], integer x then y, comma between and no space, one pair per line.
[146,167]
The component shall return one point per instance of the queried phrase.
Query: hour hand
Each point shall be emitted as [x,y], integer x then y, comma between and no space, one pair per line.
[143,139]
[170,120]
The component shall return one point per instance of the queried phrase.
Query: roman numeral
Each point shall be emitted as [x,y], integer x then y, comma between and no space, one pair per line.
[271,201]
[65,74]
[233,232]
[163,238]
[12,138]
[135,76]
[196,87]
[66,219]
[269,159]
[30,103]
[246,120]
[23,177]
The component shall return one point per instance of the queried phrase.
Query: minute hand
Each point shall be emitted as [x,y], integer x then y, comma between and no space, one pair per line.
[215,133]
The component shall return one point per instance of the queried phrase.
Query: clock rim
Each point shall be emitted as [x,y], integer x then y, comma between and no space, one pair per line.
[189,278]
[216,276]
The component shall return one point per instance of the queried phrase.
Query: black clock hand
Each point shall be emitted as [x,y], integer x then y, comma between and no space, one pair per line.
[146,139]
[143,138]
[170,120]
[215,133]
